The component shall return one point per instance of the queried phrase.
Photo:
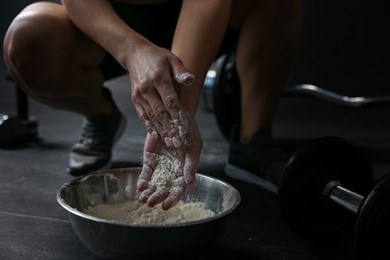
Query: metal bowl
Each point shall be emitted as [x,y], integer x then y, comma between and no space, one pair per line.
[115,239]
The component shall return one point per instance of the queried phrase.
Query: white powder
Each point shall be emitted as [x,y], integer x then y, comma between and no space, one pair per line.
[138,213]
[166,171]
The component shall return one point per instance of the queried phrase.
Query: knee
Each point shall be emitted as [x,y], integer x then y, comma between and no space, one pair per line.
[28,42]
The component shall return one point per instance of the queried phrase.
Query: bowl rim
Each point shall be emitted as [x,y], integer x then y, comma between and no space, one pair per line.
[75,211]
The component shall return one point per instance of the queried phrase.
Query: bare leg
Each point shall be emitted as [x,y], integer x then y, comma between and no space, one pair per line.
[54,62]
[269,35]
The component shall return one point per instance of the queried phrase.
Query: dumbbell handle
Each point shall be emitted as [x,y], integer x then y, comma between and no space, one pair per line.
[343,197]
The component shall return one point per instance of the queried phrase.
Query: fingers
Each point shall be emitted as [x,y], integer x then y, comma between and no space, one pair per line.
[169,197]
[161,179]
[144,177]
[191,160]
[190,168]
[150,161]
[185,78]
[153,195]
[157,103]
[170,113]
[152,114]
[168,173]
[145,195]
[182,76]
[177,192]
[164,119]
[152,129]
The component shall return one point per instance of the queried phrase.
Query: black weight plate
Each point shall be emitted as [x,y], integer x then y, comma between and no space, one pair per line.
[306,211]
[372,229]
[226,94]
[12,130]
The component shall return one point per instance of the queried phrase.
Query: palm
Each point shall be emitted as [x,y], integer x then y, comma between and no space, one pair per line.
[168,172]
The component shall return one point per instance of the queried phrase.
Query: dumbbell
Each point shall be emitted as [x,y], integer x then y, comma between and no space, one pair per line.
[223,85]
[327,190]
[14,130]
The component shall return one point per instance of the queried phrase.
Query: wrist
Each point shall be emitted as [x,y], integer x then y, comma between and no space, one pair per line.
[189,98]
[129,48]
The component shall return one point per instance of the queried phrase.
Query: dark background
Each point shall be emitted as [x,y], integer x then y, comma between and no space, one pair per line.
[344,48]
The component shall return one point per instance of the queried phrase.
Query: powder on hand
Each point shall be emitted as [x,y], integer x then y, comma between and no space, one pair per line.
[166,170]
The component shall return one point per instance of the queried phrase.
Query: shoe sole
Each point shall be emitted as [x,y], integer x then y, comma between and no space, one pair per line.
[242,175]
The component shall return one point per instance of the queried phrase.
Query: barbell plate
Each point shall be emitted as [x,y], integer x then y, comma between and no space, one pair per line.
[303,206]
[372,228]
[226,94]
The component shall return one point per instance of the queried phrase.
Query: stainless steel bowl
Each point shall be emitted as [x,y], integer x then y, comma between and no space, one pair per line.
[113,239]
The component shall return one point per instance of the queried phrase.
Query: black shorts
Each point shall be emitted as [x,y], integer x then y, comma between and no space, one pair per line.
[157,23]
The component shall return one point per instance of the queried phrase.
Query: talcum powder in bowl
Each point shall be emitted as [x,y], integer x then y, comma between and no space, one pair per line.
[134,212]
[105,214]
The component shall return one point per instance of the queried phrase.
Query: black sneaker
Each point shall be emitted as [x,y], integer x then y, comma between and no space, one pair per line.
[98,136]
[259,162]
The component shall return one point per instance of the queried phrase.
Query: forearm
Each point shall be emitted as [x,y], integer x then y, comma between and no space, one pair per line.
[98,20]
[199,33]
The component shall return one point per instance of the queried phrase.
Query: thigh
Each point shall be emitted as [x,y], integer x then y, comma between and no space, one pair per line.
[44,51]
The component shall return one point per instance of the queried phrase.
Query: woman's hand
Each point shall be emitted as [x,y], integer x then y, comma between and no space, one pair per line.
[156,75]
[168,172]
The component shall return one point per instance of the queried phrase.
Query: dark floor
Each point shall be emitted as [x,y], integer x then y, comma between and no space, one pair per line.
[34,226]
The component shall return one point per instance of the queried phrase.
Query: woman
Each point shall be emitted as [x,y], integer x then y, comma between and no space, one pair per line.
[61,54]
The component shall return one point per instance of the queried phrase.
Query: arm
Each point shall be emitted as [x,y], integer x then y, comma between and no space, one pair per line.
[98,20]
[150,67]
[199,33]
[200,30]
